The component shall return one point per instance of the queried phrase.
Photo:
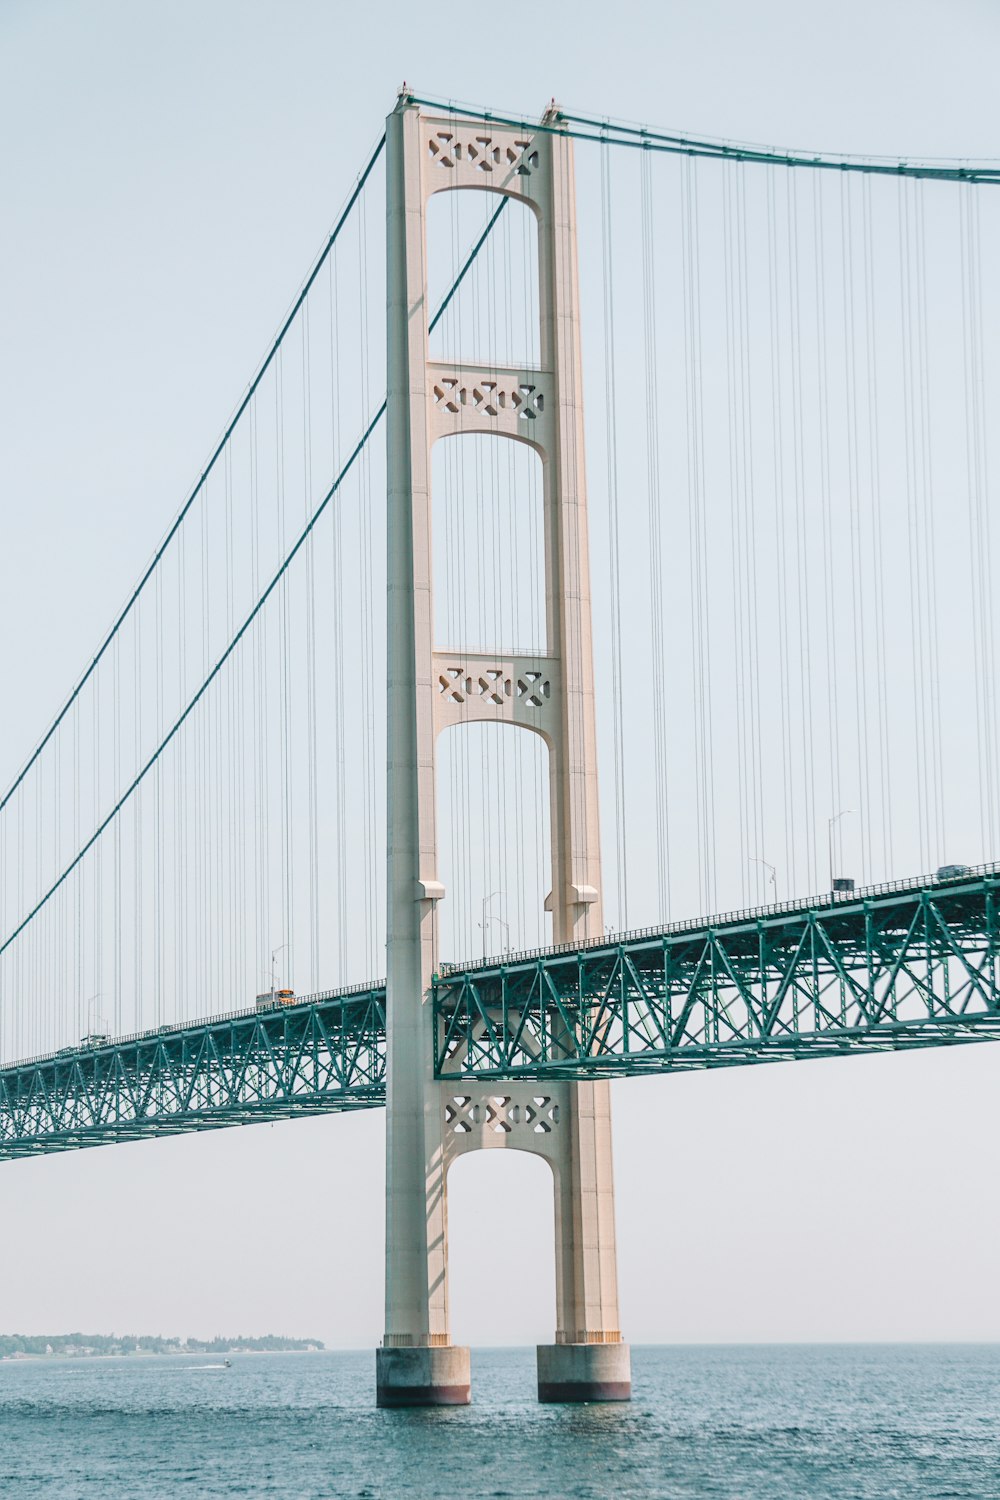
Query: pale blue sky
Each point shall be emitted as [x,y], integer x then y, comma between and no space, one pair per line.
[167,174]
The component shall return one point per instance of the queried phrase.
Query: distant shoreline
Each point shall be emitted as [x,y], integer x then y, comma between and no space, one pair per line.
[15,1348]
[23,1359]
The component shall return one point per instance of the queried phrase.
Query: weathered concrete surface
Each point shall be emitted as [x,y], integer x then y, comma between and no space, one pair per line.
[437,1376]
[584,1372]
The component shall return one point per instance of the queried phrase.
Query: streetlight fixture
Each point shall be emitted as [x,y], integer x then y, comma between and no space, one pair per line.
[274,959]
[772,877]
[506,931]
[846,812]
[95,1027]
[486,902]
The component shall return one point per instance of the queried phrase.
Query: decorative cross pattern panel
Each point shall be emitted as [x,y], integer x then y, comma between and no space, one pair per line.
[493,685]
[501,1114]
[521,690]
[505,402]
[483,155]
[490,397]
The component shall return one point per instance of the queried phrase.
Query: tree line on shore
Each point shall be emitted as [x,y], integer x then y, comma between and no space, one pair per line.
[14,1344]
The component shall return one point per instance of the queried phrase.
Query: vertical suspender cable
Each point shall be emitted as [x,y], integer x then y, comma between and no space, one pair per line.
[736,540]
[930,595]
[614,537]
[750,555]
[372,919]
[655,534]
[829,532]
[339,674]
[913,528]
[700,600]
[310,627]
[859,621]
[803,579]
[780,544]
[878,556]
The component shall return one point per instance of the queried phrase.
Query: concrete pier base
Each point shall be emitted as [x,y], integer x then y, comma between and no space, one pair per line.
[436,1376]
[584,1372]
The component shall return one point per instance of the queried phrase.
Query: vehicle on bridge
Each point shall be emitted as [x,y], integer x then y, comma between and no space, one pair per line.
[275,997]
[951,872]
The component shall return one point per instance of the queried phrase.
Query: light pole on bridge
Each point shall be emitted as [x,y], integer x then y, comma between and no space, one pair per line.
[274,959]
[773,875]
[483,923]
[830,822]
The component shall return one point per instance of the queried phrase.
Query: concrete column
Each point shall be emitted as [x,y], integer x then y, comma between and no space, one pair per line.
[416,1364]
[429,1122]
[588,1361]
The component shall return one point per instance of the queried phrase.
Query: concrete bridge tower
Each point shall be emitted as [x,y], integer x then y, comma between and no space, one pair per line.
[429,1123]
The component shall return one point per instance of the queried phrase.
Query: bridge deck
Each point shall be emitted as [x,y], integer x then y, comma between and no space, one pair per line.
[326,1053]
[913,964]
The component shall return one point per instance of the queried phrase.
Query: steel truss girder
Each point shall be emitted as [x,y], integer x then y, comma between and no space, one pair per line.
[911,968]
[327,1054]
[915,967]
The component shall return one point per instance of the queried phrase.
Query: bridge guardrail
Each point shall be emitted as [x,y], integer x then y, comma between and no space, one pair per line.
[827,901]
[170,1028]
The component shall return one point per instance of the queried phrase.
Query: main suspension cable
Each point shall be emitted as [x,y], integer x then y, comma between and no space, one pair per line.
[275,583]
[199,486]
[641,138]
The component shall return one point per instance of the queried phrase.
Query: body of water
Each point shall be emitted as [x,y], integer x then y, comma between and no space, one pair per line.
[860,1422]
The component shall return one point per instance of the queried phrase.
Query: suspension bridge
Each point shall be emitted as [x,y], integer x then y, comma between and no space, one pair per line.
[766,614]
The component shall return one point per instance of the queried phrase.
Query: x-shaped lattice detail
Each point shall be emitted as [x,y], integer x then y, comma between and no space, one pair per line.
[482,153]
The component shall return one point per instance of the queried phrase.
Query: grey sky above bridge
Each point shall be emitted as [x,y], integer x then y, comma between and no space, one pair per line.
[167,175]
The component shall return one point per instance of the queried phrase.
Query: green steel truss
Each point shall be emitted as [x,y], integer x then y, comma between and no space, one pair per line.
[909,965]
[326,1053]
[912,965]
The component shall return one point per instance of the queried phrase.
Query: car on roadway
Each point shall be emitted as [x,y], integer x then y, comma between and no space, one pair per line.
[951,872]
[275,998]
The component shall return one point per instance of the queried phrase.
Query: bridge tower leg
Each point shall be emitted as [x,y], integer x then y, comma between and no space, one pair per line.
[430,1122]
